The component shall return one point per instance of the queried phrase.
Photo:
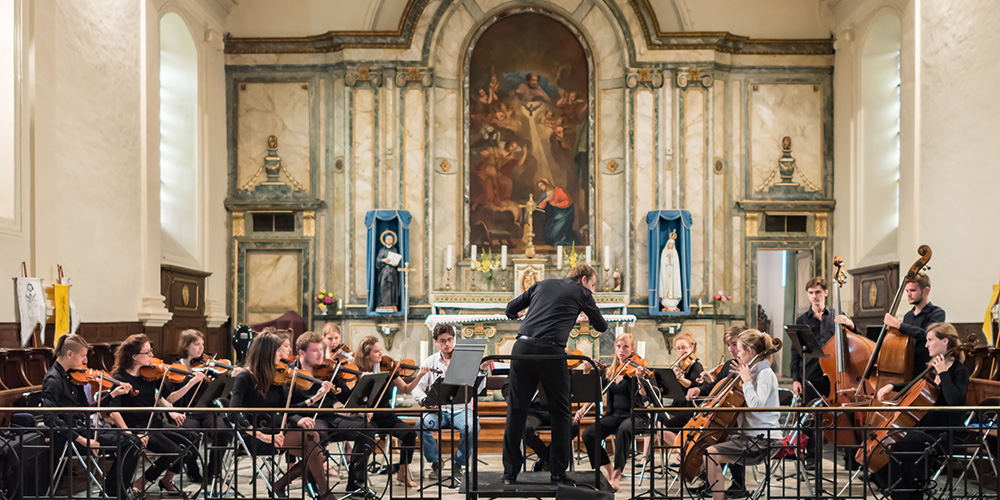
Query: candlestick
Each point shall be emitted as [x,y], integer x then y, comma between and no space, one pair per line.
[588,254]
[607,258]
[503,256]
[473,252]
[559,256]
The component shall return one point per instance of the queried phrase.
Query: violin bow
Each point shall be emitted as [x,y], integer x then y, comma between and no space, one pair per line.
[197,387]
[323,399]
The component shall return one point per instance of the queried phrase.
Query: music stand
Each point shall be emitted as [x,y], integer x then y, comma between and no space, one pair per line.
[583,388]
[667,380]
[442,394]
[220,387]
[808,347]
[365,394]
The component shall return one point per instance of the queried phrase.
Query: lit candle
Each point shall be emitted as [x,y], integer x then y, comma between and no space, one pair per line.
[588,255]
[424,350]
[449,257]
[640,348]
[503,256]
[558,256]
[607,257]
[473,253]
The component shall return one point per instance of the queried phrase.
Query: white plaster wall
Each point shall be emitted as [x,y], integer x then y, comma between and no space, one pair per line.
[754,18]
[956,172]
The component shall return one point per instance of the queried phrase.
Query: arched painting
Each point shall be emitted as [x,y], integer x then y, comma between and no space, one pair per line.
[528,135]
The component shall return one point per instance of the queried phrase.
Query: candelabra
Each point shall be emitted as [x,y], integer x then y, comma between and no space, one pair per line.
[447,277]
[607,276]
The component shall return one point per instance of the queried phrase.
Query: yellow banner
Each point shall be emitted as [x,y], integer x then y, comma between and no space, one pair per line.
[61,301]
[988,322]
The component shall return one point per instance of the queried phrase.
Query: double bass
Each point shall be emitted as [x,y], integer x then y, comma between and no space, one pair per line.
[710,427]
[894,350]
[848,354]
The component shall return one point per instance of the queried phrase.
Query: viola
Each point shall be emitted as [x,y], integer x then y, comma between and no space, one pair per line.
[848,354]
[95,378]
[404,368]
[921,391]
[157,369]
[695,439]
[212,366]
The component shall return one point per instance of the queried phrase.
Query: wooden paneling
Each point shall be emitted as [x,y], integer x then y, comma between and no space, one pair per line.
[874,289]
[184,290]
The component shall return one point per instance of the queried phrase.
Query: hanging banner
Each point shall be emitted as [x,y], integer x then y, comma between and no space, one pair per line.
[30,307]
[61,301]
[74,314]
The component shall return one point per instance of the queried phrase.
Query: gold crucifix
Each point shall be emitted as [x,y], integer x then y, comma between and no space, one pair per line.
[529,228]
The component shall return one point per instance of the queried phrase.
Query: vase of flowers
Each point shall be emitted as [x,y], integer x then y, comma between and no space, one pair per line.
[324,301]
[487,263]
[719,299]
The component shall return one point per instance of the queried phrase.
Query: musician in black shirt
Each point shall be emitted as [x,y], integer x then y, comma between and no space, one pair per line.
[554,306]
[913,457]
[58,391]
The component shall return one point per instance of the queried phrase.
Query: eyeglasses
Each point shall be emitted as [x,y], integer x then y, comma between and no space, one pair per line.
[445,340]
[145,353]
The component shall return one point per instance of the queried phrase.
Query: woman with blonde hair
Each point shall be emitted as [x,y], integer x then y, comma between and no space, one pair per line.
[623,394]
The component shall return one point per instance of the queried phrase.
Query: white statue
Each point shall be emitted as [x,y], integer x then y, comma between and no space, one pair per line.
[669,282]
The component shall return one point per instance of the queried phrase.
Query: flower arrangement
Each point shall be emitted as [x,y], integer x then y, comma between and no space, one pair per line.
[720,298]
[486,264]
[571,257]
[324,300]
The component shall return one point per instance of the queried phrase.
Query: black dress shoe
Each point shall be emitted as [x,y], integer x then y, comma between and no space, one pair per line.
[809,461]
[732,494]
[508,479]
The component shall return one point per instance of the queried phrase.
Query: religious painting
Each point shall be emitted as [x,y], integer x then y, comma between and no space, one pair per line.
[529,147]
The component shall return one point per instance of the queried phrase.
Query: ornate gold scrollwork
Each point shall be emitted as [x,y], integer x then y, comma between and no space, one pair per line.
[478,329]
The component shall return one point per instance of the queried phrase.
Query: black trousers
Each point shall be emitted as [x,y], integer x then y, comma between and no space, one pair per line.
[218,439]
[525,375]
[913,460]
[176,446]
[338,428]
[621,426]
[535,420]
[402,430]
[821,384]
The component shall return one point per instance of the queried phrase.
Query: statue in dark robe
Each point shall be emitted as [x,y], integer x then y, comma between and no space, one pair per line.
[388,273]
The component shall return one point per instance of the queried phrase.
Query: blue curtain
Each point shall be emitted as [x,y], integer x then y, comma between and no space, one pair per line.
[377,221]
[661,223]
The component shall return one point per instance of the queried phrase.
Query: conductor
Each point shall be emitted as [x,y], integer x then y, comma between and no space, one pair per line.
[553,308]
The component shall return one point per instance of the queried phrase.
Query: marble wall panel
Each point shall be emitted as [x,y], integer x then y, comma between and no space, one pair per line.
[734,176]
[488,5]
[364,178]
[614,219]
[666,143]
[446,124]
[786,109]
[450,47]
[694,183]
[611,124]
[414,175]
[339,208]
[721,261]
[644,194]
[606,46]
[272,283]
[279,109]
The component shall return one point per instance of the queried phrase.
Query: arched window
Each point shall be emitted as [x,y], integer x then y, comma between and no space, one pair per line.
[879,140]
[9,57]
[179,221]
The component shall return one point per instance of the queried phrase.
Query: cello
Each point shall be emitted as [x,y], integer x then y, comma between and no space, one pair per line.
[921,391]
[894,351]
[708,427]
[848,354]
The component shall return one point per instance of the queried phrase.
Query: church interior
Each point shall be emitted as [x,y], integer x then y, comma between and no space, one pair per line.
[392,165]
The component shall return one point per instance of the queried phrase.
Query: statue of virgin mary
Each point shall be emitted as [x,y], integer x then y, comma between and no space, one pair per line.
[669,283]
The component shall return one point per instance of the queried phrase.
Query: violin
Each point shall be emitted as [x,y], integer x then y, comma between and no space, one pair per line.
[342,350]
[157,369]
[573,363]
[684,362]
[404,368]
[284,375]
[694,439]
[95,378]
[212,366]
[629,368]
[713,373]
[329,368]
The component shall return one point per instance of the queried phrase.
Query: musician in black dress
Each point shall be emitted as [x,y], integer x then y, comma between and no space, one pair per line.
[172,442]
[624,393]
[255,388]
[914,457]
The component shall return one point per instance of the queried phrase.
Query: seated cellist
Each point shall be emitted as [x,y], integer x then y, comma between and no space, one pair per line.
[914,456]
[759,430]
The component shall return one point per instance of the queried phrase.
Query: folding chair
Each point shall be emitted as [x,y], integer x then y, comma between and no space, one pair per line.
[975,450]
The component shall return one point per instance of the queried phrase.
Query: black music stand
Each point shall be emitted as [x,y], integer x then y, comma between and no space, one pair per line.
[667,380]
[218,388]
[365,394]
[808,347]
[583,387]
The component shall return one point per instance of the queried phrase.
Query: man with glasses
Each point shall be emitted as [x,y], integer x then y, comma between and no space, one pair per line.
[452,416]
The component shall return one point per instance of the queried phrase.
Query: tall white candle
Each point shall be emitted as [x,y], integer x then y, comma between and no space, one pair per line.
[558,256]
[588,255]
[503,256]
[619,330]
[607,257]
[473,252]
[424,350]
[640,348]
[449,257]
